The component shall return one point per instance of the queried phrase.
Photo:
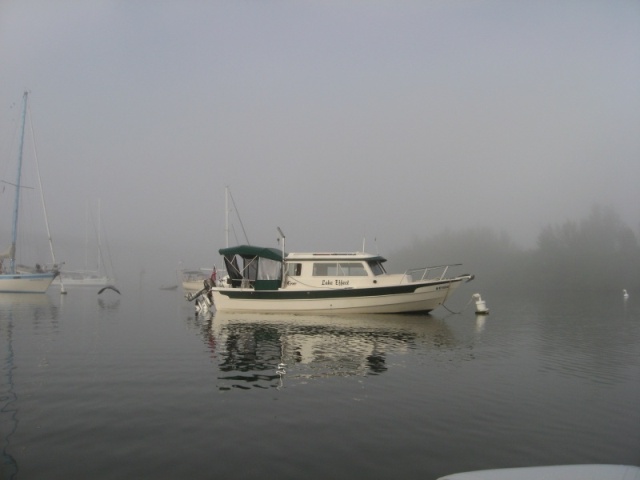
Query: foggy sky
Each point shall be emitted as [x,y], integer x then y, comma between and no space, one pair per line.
[335,120]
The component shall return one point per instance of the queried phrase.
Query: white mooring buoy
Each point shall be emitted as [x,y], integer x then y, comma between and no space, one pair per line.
[481,306]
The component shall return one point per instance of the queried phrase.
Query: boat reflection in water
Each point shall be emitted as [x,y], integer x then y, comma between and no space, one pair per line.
[33,309]
[254,350]
[15,309]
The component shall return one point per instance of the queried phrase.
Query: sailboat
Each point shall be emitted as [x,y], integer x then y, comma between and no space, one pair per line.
[193,279]
[12,278]
[88,277]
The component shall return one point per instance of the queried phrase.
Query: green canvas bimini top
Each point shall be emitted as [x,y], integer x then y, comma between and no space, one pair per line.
[252,251]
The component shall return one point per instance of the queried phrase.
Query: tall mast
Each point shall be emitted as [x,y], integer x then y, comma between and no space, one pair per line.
[16,202]
[86,235]
[99,236]
[226,215]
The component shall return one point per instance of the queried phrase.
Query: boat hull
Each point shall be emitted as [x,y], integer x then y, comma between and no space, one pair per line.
[408,298]
[193,285]
[83,282]
[26,282]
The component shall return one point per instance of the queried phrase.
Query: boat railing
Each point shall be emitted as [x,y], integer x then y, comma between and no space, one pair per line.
[437,272]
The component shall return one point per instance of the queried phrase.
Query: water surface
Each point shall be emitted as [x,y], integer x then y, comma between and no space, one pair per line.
[138,386]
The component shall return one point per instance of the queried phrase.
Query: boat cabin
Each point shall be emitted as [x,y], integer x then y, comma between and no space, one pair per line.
[249,266]
[264,268]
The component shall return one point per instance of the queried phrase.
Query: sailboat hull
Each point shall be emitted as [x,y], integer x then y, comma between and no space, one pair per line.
[81,280]
[26,282]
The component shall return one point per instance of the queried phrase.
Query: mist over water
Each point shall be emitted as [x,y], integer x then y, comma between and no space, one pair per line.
[336,121]
[137,385]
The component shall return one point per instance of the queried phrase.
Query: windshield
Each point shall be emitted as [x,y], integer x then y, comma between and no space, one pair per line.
[377,268]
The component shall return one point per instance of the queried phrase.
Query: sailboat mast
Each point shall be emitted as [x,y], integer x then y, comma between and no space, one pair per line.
[99,236]
[226,216]
[86,236]
[16,202]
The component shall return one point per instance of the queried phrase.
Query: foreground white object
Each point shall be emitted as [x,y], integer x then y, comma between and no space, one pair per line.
[560,472]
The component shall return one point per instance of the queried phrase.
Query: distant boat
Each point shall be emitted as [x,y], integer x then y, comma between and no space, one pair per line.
[82,279]
[88,277]
[193,280]
[16,278]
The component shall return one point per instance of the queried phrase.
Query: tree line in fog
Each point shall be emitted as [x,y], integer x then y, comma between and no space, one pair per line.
[597,253]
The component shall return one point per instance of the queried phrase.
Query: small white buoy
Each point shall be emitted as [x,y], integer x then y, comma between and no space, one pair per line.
[624,293]
[481,306]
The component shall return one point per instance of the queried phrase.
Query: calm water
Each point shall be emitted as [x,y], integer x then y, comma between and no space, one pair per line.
[137,386]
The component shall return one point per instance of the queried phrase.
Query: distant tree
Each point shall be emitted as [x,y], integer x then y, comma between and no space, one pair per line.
[489,255]
[598,252]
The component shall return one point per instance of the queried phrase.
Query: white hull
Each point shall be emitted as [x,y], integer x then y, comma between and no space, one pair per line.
[423,299]
[25,282]
[193,286]
[193,280]
[89,281]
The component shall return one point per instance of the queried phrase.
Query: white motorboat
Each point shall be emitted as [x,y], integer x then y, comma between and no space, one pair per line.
[268,280]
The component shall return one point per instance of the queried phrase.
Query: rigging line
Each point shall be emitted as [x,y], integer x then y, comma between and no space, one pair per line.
[235,235]
[14,185]
[238,214]
[44,206]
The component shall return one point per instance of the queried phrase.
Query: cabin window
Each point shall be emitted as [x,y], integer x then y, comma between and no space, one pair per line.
[352,269]
[294,269]
[269,269]
[377,268]
[343,269]
[250,268]
[322,269]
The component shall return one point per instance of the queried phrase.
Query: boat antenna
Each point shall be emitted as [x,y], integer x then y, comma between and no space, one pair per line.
[283,254]
[44,206]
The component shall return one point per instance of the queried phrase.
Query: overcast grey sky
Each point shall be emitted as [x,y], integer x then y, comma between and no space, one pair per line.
[334,120]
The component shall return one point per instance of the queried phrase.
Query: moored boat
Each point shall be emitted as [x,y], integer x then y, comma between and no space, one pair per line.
[193,280]
[87,277]
[82,279]
[16,278]
[269,280]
